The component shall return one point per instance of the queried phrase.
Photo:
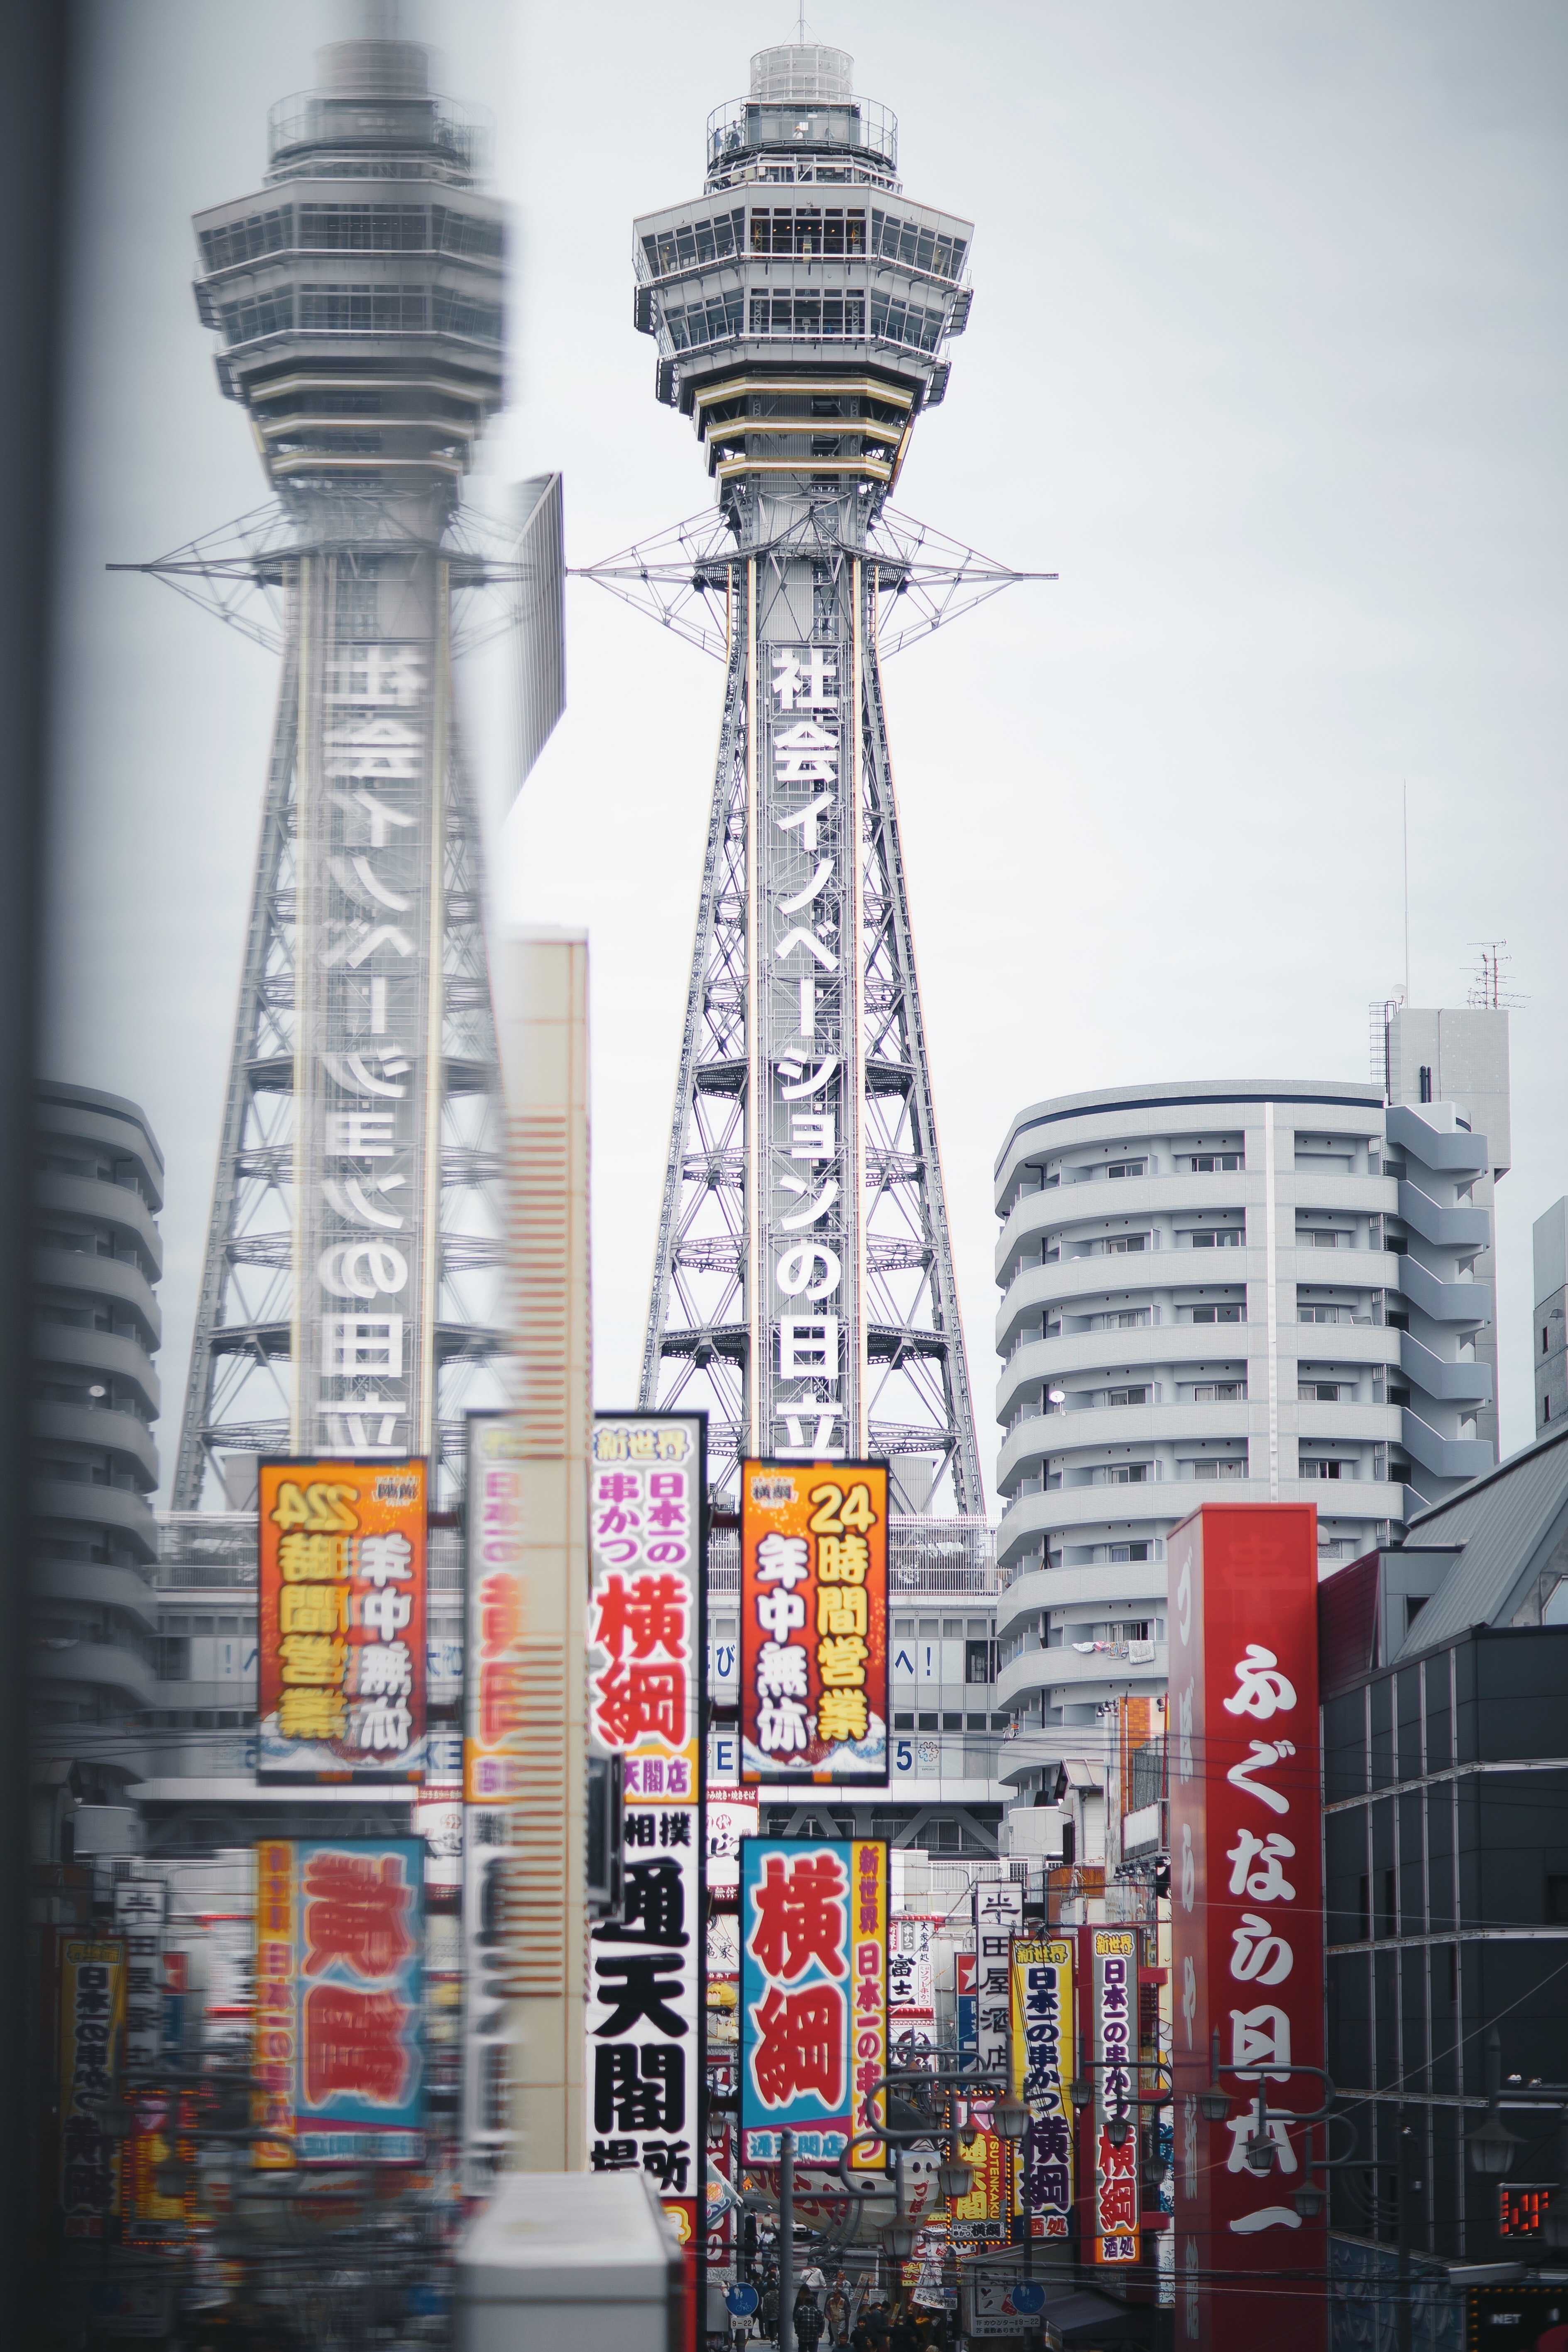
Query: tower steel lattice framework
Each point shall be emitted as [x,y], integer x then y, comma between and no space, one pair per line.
[803,1287]
[349,1291]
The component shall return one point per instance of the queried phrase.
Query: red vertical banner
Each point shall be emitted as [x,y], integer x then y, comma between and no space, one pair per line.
[1247,1921]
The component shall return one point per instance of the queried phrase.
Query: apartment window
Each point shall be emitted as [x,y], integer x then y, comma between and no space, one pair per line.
[1127,1551]
[1218,1469]
[1127,1168]
[952,1722]
[1127,1396]
[1325,1314]
[1138,1630]
[1330,1240]
[1125,1244]
[979,1662]
[903,1723]
[1219,1393]
[1126,1473]
[1217,1314]
[1319,1393]
[1216,1237]
[1214,1163]
[1328,1470]
[929,1723]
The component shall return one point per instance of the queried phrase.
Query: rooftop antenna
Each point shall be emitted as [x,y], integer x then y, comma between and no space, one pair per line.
[1491,989]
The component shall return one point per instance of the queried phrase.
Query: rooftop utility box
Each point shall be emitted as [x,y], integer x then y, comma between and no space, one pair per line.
[577,2258]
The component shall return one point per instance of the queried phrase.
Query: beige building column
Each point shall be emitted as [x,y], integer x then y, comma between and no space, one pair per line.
[541,982]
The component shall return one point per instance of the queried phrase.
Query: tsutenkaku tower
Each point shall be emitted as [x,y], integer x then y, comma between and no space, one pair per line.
[803,1287]
[348,1294]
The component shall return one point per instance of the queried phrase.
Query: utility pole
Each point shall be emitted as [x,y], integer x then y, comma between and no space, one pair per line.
[786,2236]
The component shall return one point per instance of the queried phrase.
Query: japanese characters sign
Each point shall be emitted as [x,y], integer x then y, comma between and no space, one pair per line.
[340,1603]
[92,2023]
[911,1984]
[139,1906]
[500,1678]
[1246,1916]
[805,1050]
[1114,1965]
[1043,2059]
[646,1639]
[339,1936]
[814,1996]
[644,2080]
[647,1476]
[814,1621]
[369,843]
[981,2214]
[998,1919]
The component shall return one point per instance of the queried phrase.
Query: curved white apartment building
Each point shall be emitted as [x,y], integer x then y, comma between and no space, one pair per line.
[1228,1292]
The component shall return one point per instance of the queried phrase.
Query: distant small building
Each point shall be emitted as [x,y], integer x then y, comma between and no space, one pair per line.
[1445,1687]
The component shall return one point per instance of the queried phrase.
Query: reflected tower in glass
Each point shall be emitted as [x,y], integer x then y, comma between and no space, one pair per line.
[347,1297]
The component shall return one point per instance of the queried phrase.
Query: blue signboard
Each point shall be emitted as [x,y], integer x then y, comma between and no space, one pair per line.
[814,1995]
[338,1998]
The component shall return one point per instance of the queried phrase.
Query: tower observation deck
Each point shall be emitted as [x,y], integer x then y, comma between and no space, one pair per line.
[348,1298]
[802,1286]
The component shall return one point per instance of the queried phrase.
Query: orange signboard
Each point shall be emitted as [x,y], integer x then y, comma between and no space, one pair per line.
[814,1621]
[341,1650]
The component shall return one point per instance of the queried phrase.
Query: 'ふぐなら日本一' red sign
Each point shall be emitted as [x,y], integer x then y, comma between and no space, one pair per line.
[1246,1921]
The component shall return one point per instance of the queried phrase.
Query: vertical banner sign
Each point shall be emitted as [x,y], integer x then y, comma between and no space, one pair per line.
[92,2023]
[731,1814]
[340,1635]
[367,1061]
[1247,1918]
[911,1987]
[647,1642]
[340,1941]
[1114,1964]
[814,1997]
[979,2218]
[998,1919]
[964,1998]
[139,1905]
[495,1771]
[1043,2053]
[814,1622]
[805,1049]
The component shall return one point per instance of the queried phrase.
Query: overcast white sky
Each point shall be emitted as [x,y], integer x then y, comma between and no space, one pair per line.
[1266,357]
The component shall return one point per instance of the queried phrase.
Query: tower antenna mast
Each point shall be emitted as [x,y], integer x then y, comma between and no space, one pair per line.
[803,1289]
